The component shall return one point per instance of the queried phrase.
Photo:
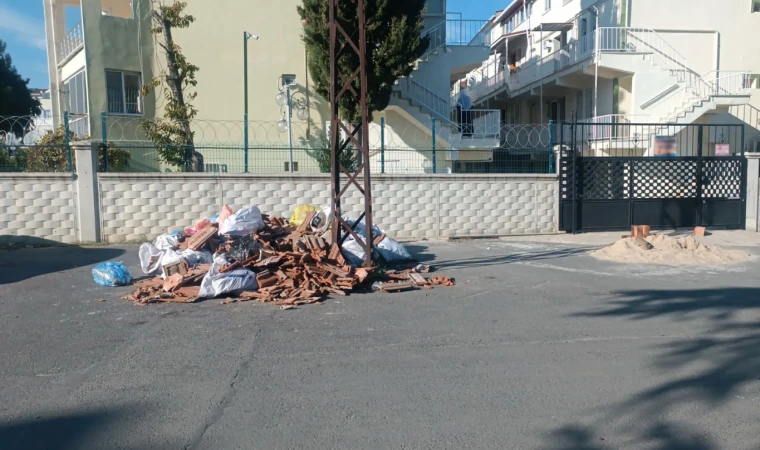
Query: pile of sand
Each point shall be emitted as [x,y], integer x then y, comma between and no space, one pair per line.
[662,249]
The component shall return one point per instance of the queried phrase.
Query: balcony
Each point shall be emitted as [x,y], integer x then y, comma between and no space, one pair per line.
[70,44]
[495,75]
[461,33]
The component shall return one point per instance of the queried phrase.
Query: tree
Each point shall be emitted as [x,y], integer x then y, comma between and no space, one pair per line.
[15,98]
[51,154]
[393,42]
[321,153]
[173,136]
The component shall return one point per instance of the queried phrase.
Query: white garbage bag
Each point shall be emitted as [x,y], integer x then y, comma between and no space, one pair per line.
[166,242]
[150,259]
[215,284]
[390,249]
[244,222]
[322,221]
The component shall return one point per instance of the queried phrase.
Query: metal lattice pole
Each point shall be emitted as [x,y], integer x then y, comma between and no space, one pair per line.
[344,41]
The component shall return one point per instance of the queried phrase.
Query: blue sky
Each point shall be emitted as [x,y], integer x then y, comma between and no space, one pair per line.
[22,27]
[475,9]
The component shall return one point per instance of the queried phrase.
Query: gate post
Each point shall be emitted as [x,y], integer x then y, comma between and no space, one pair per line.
[752,217]
[572,153]
[700,201]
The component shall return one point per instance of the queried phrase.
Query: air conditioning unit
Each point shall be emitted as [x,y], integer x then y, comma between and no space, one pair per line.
[213,167]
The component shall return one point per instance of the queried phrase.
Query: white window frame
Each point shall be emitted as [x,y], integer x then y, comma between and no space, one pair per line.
[547,5]
[140,105]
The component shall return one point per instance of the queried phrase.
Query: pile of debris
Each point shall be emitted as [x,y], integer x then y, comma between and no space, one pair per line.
[250,256]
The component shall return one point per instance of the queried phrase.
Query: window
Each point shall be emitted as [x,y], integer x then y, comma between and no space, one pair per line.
[117,8]
[548,4]
[756,6]
[123,92]
[75,94]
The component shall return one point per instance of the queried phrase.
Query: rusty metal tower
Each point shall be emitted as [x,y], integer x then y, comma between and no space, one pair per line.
[347,34]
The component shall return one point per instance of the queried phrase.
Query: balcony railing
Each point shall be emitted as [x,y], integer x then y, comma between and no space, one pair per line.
[427,100]
[614,126]
[70,43]
[458,33]
[477,123]
[640,40]
[494,74]
[728,83]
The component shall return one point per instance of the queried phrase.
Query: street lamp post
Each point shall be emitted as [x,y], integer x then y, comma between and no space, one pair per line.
[286,99]
[246,36]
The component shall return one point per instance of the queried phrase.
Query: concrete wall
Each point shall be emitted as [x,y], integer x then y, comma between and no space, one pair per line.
[730,22]
[139,206]
[37,206]
[116,43]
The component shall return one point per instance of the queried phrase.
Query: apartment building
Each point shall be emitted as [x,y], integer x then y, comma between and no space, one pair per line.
[622,61]
[98,64]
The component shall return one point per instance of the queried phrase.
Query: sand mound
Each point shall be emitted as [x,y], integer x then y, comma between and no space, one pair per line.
[662,249]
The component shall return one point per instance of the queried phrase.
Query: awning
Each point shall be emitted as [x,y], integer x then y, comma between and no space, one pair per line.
[552,27]
[515,38]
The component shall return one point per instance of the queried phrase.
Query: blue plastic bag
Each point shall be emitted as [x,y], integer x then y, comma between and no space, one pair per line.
[111,273]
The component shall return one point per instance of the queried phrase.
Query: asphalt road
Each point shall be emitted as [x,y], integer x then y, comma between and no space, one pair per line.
[538,347]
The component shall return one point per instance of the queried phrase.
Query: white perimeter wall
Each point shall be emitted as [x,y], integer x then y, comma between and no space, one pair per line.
[139,206]
[37,206]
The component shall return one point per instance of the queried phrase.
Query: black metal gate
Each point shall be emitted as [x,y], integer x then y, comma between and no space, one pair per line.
[614,175]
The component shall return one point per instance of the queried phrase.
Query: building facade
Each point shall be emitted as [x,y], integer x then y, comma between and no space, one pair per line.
[619,62]
[98,66]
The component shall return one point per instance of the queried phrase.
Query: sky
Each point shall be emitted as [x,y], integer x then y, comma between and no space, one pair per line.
[22,27]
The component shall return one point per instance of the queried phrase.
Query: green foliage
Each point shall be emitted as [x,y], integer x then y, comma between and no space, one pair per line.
[8,163]
[51,154]
[15,98]
[321,153]
[173,137]
[118,158]
[393,43]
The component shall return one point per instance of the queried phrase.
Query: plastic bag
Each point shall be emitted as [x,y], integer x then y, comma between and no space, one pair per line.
[152,259]
[224,214]
[321,222]
[111,274]
[194,258]
[166,241]
[300,213]
[389,249]
[215,284]
[246,221]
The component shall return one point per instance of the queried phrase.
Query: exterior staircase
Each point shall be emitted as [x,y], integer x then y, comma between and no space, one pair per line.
[422,98]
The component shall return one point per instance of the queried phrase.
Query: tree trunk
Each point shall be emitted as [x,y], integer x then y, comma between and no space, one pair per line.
[193,160]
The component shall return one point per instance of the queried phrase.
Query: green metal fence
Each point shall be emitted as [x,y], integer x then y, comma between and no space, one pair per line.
[32,144]
[145,157]
[395,148]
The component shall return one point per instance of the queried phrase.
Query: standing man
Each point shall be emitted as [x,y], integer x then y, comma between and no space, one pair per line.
[464,113]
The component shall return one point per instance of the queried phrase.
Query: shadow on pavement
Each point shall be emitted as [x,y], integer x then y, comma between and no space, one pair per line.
[483,261]
[68,431]
[727,361]
[19,265]
[418,252]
